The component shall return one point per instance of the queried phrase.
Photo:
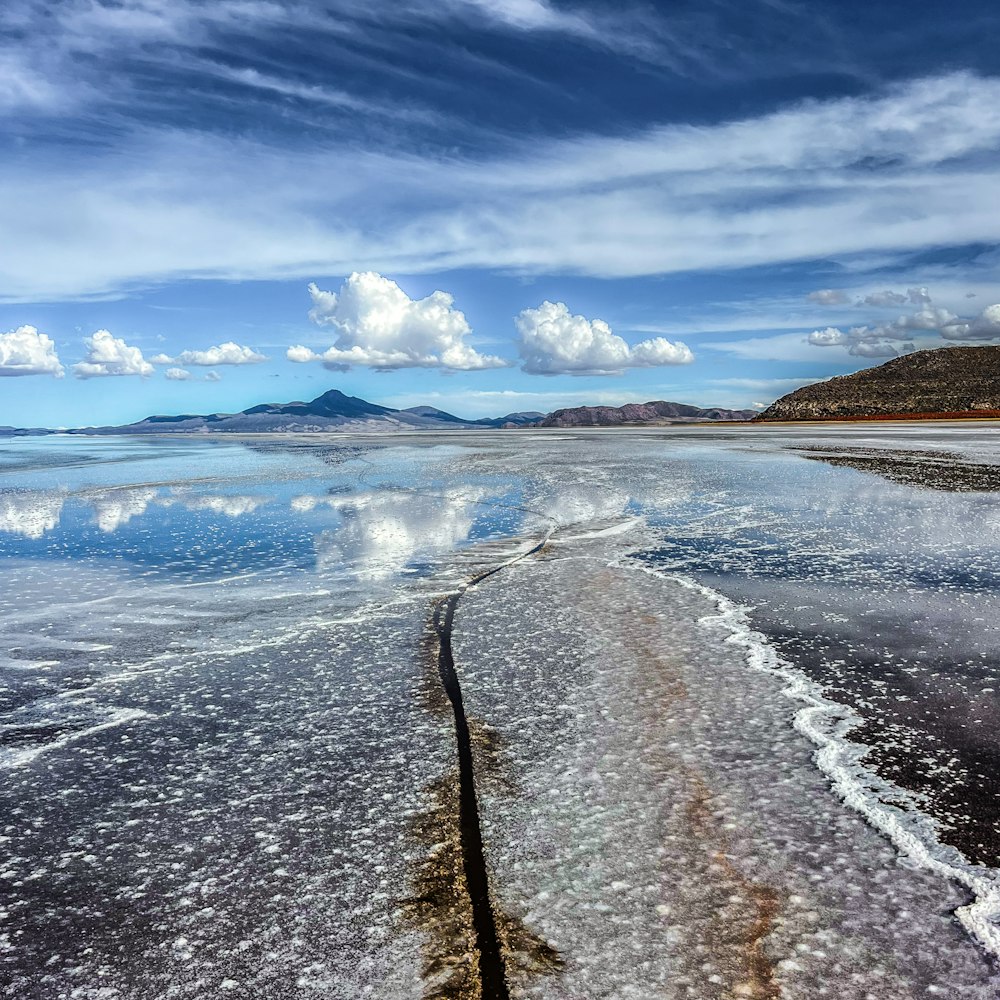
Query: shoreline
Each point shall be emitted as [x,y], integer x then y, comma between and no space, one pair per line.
[829,725]
[923,419]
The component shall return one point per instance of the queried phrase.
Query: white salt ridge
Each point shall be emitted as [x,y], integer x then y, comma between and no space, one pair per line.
[615,528]
[111,718]
[828,724]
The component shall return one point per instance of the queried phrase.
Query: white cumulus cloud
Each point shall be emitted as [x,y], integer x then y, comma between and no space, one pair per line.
[380,326]
[555,342]
[908,331]
[928,318]
[985,326]
[109,355]
[177,374]
[887,297]
[885,341]
[228,353]
[25,351]
[830,337]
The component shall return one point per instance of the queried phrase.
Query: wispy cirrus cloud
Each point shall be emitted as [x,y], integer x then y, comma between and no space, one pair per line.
[48,61]
[906,170]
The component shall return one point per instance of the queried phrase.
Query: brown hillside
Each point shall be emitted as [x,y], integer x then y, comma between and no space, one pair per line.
[953,381]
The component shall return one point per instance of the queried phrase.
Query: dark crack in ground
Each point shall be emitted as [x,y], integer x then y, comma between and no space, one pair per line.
[439,904]
[470,942]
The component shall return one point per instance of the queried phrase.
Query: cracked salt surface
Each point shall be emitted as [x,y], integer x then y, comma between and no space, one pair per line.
[667,831]
[227,769]
[253,828]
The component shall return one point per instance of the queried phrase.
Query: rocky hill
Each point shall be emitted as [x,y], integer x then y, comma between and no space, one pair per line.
[948,381]
[656,412]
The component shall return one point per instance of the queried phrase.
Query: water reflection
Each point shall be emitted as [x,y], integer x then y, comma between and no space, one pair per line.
[230,505]
[244,616]
[580,503]
[115,508]
[30,513]
[381,535]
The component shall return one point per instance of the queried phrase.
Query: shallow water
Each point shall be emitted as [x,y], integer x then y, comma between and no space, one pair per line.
[220,733]
[885,594]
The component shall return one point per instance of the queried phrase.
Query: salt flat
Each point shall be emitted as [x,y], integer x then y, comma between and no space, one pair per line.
[230,764]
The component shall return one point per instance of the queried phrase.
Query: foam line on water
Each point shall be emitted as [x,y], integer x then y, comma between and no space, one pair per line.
[828,724]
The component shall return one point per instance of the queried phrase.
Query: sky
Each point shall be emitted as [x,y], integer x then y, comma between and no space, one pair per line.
[487,207]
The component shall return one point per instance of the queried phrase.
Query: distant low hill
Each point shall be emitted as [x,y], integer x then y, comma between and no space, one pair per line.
[947,382]
[335,411]
[520,419]
[656,412]
[332,411]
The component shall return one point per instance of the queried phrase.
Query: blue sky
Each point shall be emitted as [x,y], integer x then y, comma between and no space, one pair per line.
[711,203]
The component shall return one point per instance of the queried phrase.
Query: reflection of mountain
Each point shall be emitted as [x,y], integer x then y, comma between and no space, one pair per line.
[381,534]
[30,513]
[114,508]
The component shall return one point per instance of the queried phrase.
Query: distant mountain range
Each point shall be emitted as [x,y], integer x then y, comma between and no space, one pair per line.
[335,411]
[945,382]
[656,412]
